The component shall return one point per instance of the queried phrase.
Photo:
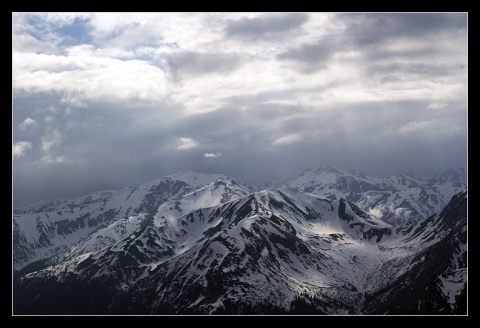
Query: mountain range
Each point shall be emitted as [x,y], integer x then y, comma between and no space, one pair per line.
[324,242]
[395,199]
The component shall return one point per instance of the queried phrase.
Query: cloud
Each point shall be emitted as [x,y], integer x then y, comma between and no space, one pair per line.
[382,210]
[411,126]
[84,76]
[260,27]
[25,42]
[47,159]
[50,146]
[374,29]
[194,63]
[187,143]
[437,105]
[20,147]
[112,94]
[52,139]
[429,70]
[313,56]
[74,98]
[28,122]
[288,139]
[212,155]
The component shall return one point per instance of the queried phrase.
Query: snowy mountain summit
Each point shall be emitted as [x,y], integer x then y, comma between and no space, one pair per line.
[395,199]
[193,243]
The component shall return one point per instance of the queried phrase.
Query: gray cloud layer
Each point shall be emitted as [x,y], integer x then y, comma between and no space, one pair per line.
[99,106]
[193,63]
[372,29]
[260,27]
[311,57]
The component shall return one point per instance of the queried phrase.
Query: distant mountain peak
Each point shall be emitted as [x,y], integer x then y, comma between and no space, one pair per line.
[454,174]
[197,179]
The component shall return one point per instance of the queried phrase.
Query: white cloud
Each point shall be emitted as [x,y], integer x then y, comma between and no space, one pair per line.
[83,76]
[49,118]
[212,155]
[288,139]
[52,109]
[25,42]
[28,122]
[409,127]
[49,145]
[52,139]
[187,143]
[377,212]
[19,148]
[382,210]
[48,159]
[414,126]
[75,99]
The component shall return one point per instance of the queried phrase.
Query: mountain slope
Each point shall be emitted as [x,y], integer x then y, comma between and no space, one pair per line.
[435,282]
[258,235]
[275,251]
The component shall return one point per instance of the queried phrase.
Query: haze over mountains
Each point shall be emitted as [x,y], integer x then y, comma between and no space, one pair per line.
[325,242]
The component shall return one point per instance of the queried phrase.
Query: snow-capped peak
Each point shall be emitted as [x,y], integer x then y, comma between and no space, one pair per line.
[197,180]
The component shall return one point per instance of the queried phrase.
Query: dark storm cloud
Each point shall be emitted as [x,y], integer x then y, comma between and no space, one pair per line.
[95,148]
[350,141]
[358,136]
[195,63]
[107,151]
[260,27]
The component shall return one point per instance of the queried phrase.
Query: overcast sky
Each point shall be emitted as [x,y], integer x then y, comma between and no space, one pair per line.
[105,100]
